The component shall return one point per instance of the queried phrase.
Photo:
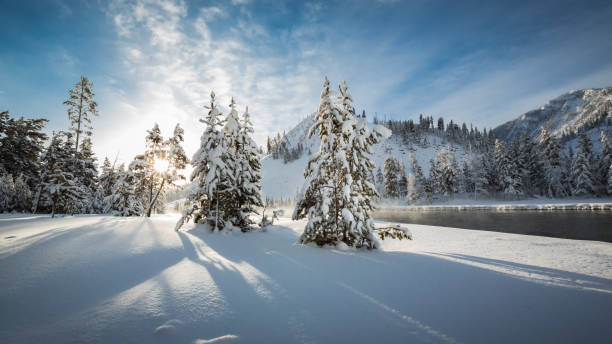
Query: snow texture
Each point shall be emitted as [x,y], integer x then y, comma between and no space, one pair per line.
[104,279]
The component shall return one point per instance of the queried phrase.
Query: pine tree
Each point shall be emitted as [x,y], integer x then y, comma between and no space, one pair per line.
[605,159]
[172,152]
[248,181]
[7,192]
[107,179]
[81,109]
[229,195]
[508,173]
[392,169]
[581,176]
[86,173]
[533,175]
[22,198]
[435,178]
[359,227]
[21,143]
[209,172]
[448,172]
[328,176]
[553,172]
[122,200]
[60,189]
[380,180]
[420,180]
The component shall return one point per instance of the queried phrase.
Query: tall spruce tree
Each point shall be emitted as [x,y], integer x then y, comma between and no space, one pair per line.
[581,172]
[605,159]
[248,181]
[392,170]
[328,177]
[122,200]
[209,172]
[81,109]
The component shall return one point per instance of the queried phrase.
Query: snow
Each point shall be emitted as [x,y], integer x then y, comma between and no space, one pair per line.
[132,280]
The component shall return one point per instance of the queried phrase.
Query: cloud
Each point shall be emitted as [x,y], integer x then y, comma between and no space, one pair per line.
[172,61]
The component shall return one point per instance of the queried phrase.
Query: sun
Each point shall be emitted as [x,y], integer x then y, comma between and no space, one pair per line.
[160,165]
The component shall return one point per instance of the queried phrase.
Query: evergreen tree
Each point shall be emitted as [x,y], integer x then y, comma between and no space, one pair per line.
[448,172]
[380,180]
[508,173]
[81,108]
[328,176]
[209,172]
[248,181]
[86,173]
[122,200]
[392,169]
[553,172]
[532,175]
[435,178]
[21,143]
[174,155]
[605,159]
[60,189]
[360,226]
[22,198]
[581,176]
[7,192]
[107,179]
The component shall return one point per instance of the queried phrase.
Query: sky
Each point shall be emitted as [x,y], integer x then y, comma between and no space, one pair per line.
[156,61]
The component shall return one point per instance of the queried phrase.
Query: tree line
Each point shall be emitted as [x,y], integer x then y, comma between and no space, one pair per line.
[523,167]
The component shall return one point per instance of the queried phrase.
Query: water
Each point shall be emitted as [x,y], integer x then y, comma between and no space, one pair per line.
[569,224]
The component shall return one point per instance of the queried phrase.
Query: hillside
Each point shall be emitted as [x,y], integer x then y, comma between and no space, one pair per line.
[564,116]
[283,180]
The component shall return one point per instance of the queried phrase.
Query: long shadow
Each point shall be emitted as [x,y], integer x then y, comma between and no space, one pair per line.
[548,275]
[404,296]
[65,274]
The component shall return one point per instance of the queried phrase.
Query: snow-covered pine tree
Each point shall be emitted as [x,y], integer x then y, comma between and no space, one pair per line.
[581,175]
[148,178]
[533,176]
[448,172]
[248,181]
[605,159]
[21,143]
[172,152]
[553,172]
[106,180]
[7,192]
[81,109]
[509,181]
[435,178]
[359,225]
[229,206]
[392,170]
[60,189]
[86,173]
[122,200]
[467,179]
[22,199]
[209,171]
[420,180]
[328,176]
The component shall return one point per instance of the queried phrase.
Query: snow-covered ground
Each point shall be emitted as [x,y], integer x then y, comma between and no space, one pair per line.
[135,280]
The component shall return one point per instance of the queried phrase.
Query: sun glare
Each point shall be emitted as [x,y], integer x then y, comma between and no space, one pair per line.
[161,165]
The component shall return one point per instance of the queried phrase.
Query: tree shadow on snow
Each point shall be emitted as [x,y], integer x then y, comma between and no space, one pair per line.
[279,291]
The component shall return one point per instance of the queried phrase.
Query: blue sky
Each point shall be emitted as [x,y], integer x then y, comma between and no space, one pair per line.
[157,60]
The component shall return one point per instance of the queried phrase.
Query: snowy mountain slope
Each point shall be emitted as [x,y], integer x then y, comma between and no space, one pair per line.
[588,109]
[282,180]
[102,279]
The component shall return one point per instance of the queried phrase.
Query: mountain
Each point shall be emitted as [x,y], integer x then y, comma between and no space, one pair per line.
[281,179]
[564,116]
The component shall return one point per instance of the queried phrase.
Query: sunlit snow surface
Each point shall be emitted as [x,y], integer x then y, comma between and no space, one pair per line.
[135,280]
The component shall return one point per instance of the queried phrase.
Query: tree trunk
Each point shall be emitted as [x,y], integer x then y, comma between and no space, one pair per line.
[155,198]
[53,210]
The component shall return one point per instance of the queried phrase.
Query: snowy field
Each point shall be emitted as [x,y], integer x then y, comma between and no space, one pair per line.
[135,280]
